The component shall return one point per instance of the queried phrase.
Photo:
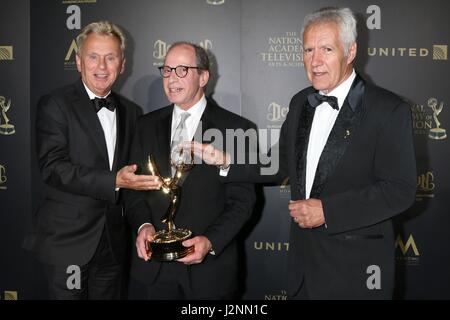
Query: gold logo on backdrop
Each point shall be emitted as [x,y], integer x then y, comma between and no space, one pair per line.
[440,52]
[437,52]
[283,51]
[3,178]
[404,247]
[398,52]
[206,44]
[215,2]
[10,295]
[160,49]
[6,53]
[6,128]
[425,186]
[436,133]
[271,246]
[69,60]
[422,121]
[276,114]
[426,122]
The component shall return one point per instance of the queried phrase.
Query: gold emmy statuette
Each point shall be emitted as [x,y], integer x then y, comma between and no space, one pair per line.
[5,127]
[437,133]
[167,244]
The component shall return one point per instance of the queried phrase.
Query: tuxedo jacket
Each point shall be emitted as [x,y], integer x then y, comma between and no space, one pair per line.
[81,201]
[207,206]
[366,175]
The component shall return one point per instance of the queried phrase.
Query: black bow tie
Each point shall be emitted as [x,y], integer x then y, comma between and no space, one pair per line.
[316,99]
[109,103]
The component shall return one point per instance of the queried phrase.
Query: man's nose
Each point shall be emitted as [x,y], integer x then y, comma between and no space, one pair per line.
[173,76]
[316,59]
[102,63]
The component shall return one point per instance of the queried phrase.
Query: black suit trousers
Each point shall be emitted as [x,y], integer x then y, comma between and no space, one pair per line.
[99,279]
[173,283]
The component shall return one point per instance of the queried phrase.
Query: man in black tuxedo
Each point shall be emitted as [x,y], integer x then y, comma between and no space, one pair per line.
[213,211]
[347,148]
[84,132]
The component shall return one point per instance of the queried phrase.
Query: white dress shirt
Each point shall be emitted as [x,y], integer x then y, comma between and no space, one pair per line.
[324,119]
[108,121]
[191,122]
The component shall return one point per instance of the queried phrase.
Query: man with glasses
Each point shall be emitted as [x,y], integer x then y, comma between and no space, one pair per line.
[213,211]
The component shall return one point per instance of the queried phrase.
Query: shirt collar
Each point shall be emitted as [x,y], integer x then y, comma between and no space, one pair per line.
[93,95]
[195,111]
[342,90]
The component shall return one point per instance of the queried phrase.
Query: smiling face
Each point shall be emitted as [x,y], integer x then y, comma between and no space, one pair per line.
[187,91]
[100,62]
[323,55]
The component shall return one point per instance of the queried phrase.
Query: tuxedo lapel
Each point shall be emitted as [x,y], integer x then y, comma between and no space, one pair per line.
[121,123]
[88,118]
[206,121]
[163,137]
[340,136]
[301,146]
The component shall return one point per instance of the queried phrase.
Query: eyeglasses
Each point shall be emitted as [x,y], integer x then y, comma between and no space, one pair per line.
[180,71]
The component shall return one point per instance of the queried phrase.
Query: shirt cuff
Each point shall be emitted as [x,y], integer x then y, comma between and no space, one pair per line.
[142,225]
[224,172]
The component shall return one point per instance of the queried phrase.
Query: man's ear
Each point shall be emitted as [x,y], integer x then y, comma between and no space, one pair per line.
[78,61]
[204,77]
[351,53]
[122,69]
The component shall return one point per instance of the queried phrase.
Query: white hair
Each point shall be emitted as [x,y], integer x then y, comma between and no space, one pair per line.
[343,17]
[105,28]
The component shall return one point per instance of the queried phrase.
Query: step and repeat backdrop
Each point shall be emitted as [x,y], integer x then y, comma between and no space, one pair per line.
[256,47]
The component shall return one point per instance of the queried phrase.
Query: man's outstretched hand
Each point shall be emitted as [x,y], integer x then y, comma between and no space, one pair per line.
[126,178]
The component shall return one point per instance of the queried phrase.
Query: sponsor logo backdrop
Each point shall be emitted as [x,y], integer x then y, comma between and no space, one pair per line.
[258,67]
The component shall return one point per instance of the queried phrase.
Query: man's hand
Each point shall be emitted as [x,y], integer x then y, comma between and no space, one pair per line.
[208,153]
[307,213]
[142,241]
[126,178]
[202,246]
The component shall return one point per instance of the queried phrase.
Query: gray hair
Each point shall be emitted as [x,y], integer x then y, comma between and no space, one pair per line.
[201,55]
[105,28]
[343,17]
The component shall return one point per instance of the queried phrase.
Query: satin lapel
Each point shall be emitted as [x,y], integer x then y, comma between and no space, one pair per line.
[302,130]
[206,122]
[340,136]
[88,118]
[121,123]
[163,137]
